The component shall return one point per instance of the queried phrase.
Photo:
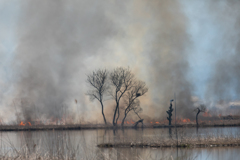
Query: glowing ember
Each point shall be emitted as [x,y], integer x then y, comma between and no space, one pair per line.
[186,120]
[157,122]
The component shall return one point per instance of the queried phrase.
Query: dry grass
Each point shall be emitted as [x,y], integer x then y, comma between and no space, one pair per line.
[180,141]
[207,142]
[59,147]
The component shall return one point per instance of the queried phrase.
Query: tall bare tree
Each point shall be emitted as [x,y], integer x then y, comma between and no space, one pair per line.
[122,81]
[98,83]
[131,99]
[201,108]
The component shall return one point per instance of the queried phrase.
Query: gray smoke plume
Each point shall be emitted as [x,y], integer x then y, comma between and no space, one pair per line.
[166,46]
[54,39]
[59,42]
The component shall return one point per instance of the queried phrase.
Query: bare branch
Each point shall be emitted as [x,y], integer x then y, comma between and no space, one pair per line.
[122,81]
[201,108]
[131,100]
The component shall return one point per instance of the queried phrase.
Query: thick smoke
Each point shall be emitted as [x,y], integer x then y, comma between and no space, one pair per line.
[54,39]
[166,43]
[59,42]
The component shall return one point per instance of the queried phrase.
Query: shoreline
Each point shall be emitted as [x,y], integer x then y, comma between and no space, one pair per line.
[102,126]
[170,145]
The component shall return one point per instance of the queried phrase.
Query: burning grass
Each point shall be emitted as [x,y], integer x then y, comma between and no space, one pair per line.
[28,126]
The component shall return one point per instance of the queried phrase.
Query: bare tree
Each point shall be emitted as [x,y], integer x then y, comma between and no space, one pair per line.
[98,82]
[122,81]
[131,99]
[201,108]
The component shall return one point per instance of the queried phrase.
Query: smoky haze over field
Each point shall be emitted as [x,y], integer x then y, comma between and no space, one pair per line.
[59,42]
[54,40]
[225,82]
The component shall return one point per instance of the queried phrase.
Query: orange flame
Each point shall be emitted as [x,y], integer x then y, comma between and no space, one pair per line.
[186,120]
[157,122]
[22,124]
[29,124]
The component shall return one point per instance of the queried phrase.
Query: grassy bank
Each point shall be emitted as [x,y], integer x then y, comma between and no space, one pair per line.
[217,142]
[176,139]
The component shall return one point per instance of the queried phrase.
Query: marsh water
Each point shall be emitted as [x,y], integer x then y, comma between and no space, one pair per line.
[83,143]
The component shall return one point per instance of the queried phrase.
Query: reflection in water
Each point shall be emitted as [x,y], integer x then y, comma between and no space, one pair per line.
[82,143]
[170,133]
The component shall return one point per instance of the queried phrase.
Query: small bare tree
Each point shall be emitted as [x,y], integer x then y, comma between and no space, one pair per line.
[201,108]
[98,83]
[169,112]
[131,99]
[122,80]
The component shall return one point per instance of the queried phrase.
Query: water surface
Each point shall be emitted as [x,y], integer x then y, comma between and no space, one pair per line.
[82,143]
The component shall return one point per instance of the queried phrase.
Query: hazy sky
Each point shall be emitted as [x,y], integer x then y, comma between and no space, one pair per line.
[188,47]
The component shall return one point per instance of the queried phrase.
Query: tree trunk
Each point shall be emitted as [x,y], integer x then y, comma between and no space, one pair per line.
[103,113]
[197,116]
[141,120]
[114,116]
[117,115]
[123,119]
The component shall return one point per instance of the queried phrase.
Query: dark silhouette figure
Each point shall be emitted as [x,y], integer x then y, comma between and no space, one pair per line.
[169,112]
